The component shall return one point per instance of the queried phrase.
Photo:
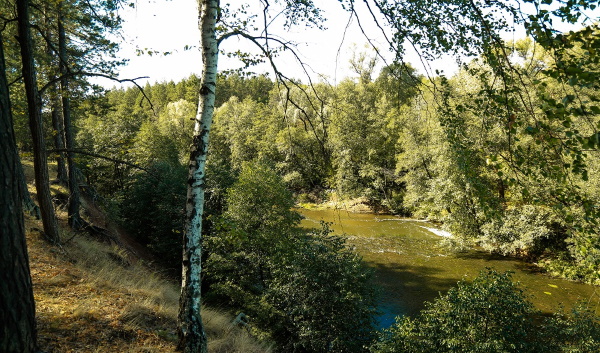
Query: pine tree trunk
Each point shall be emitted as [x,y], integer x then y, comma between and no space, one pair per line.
[35,124]
[17,309]
[26,200]
[57,121]
[57,124]
[192,338]
[74,202]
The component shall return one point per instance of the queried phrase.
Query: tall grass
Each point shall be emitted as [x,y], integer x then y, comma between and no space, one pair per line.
[95,297]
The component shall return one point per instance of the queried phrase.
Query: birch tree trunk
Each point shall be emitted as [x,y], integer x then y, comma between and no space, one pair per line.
[17,309]
[192,338]
[35,124]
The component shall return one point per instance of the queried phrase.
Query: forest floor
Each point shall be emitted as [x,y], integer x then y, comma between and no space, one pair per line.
[103,294]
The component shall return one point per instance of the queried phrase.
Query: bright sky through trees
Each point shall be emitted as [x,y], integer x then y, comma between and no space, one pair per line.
[162,26]
[167,26]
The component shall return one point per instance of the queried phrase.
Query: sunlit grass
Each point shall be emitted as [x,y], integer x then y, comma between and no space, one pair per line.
[94,297]
[97,297]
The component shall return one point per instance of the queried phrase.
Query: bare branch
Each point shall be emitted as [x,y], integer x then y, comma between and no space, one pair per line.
[6,22]
[95,74]
[96,155]
[15,80]
[286,81]
[415,79]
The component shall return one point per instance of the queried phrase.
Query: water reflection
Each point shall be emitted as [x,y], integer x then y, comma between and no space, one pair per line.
[412,265]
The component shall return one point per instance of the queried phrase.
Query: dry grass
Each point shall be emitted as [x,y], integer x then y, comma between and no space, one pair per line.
[91,297]
[95,297]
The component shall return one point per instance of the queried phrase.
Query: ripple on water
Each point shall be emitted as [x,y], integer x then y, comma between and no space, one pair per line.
[439,232]
[412,267]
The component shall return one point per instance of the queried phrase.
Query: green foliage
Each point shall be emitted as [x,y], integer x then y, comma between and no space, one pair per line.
[259,201]
[246,129]
[364,132]
[578,332]
[305,291]
[255,88]
[321,297]
[176,124]
[255,227]
[491,314]
[424,23]
[302,139]
[488,315]
[463,152]
[525,230]
[152,211]
[502,151]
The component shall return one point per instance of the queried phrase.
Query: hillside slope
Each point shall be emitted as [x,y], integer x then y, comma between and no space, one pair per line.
[96,296]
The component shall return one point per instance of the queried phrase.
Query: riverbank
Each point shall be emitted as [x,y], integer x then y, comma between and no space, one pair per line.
[412,265]
[356,205]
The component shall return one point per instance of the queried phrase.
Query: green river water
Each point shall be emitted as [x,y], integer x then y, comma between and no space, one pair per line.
[412,265]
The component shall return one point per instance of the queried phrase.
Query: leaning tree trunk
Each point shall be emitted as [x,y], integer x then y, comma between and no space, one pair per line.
[17,308]
[192,338]
[74,202]
[35,124]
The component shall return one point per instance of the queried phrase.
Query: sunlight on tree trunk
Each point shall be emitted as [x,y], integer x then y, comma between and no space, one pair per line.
[191,331]
[35,123]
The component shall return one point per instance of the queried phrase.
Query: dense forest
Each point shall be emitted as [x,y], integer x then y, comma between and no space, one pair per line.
[503,153]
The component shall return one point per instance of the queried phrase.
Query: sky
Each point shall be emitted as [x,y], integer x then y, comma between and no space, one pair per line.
[171,25]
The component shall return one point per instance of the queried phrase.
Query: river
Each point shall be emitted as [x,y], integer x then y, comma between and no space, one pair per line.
[412,265]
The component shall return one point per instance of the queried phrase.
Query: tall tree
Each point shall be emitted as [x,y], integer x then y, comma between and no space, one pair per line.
[53,98]
[17,309]
[192,337]
[73,209]
[34,105]
[191,333]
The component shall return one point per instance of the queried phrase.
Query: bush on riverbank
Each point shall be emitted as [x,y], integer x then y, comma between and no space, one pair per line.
[491,314]
[305,290]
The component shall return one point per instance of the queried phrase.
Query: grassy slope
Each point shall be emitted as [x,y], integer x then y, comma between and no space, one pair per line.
[97,297]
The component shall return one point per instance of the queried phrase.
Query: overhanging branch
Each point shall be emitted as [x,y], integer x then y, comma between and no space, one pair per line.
[96,155]
[95,74]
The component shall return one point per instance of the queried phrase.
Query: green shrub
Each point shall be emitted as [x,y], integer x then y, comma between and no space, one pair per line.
[491,314]
[322,297]
[153,211]
[488,315]
[304,291]
[579,332]
[527,230]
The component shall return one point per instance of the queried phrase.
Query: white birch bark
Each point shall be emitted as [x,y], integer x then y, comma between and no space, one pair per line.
[192,338]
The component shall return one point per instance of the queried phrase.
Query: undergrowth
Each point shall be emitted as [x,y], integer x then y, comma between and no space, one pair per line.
[94,297]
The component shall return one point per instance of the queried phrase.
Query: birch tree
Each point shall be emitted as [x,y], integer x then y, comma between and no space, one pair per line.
[192,337]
